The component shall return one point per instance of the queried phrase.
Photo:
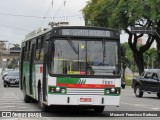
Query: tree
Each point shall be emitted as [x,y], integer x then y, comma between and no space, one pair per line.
[16,45]
[151,58]
[124,14]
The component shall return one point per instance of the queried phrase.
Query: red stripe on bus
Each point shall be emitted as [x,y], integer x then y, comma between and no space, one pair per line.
[85,85]
[41,69]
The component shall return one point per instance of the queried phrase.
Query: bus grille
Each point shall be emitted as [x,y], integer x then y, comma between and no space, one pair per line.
[75,91]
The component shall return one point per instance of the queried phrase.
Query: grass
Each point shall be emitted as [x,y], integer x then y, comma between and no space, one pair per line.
[128,79]
[128,82]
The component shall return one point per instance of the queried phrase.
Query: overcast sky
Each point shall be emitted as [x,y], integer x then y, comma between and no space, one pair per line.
[13,27]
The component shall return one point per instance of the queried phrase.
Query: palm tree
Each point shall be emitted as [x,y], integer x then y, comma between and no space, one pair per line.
[16,45]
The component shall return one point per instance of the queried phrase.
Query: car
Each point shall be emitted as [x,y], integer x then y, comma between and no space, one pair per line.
[5,72]
[12,78]
[148,82]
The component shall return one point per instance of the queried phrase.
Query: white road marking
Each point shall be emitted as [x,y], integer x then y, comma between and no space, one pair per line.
[11,103]
[7,106]
[156,108]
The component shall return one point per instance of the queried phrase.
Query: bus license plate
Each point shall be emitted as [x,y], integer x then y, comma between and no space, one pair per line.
[85,100]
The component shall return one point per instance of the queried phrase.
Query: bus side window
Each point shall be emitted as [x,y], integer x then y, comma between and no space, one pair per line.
[25,51]
[41,48]
[37,49]
[29,50]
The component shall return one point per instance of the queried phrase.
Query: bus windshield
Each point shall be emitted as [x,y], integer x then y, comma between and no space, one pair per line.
[84,57]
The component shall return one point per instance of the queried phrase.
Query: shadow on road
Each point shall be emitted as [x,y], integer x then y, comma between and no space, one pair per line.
[75,113]
[151,98]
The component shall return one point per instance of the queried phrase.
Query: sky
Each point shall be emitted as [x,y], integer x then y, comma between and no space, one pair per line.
[20,17]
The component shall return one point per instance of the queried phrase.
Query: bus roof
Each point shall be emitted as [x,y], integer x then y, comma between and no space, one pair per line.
[75,31]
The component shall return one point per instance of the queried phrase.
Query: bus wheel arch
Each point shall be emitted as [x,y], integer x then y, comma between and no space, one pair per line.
[43,107]
[27,99]
[23,82]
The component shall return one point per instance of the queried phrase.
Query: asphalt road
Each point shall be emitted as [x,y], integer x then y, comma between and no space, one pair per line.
[11,99]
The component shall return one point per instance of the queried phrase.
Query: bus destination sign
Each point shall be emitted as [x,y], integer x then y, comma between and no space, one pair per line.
[86,32]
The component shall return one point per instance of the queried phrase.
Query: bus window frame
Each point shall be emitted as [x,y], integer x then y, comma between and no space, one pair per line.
[39,50]
[83,76]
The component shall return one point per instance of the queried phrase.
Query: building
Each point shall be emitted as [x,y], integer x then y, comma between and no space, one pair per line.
[144,40]
[8,55]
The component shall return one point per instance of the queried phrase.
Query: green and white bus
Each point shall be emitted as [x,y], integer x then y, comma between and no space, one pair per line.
[71,66]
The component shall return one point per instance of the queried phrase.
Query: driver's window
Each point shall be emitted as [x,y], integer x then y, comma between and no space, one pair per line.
[142,75]
[155,76]
[148,75]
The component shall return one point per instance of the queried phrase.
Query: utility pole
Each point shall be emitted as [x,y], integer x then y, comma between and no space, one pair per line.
[2,48]
[52,10]
[64,11]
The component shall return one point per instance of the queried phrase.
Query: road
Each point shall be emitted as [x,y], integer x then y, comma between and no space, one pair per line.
[11,99]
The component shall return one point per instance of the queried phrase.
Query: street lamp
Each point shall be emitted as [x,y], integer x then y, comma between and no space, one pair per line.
[8,52]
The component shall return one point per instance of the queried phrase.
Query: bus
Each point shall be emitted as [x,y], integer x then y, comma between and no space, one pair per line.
[71,66]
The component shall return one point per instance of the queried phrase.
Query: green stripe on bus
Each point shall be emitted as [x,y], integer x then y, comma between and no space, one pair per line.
[67,80]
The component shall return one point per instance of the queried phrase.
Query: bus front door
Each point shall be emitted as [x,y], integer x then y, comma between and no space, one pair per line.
[31,69]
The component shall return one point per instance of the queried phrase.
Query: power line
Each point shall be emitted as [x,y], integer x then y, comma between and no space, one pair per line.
[16,15]
[52,10]
[14,27]
[46,14]
[70,16]
[58,10]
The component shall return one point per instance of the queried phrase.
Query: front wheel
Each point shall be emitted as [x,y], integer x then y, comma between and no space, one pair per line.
[123,86]
[138,91]
[27,99]
[158,95]
[99,109]
[43,107]
[5,84]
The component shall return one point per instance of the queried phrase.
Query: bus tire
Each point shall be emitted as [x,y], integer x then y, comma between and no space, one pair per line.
[27,99]
[158,95]
[123,86]
[99,109]
[43,107]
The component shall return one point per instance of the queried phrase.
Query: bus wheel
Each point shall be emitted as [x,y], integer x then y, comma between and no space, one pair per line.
[99,109]
[158,95]
[43,107]
[27,99]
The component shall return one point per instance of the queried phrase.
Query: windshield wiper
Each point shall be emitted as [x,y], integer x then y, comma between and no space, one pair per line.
[72,45]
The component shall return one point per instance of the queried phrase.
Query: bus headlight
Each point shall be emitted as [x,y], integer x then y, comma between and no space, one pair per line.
[112,90]
[118,91]
[52,90]
[63,91]
[57,89]
[107,91]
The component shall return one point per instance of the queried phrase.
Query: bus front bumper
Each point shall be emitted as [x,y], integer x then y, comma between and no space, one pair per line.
[83,100]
